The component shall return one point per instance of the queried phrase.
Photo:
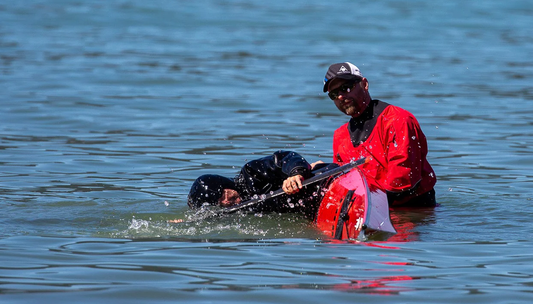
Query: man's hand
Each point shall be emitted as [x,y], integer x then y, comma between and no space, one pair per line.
[292,184]
[316,163]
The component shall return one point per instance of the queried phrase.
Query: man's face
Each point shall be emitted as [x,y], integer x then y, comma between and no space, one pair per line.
[229,198]
[350,100]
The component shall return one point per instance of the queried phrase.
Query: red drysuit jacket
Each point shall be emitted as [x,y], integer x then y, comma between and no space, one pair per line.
[393,141]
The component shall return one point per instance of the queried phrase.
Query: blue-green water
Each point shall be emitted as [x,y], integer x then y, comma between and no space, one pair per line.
[110,109]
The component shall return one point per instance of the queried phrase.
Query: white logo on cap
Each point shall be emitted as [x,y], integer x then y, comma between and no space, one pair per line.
[343,70]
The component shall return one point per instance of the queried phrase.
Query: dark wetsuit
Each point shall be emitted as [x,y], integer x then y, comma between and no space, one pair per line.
[264,175]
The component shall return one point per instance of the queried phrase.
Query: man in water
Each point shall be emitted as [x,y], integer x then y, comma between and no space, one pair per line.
[390,137]
[283,169]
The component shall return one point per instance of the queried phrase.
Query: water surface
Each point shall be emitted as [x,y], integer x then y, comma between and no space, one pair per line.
[111,109]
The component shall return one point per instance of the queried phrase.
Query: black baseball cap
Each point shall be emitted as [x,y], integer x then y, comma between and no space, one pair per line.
[343,70]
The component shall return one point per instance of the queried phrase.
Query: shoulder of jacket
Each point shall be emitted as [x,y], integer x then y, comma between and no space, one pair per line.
[343,128]
[395,110]
[396,115]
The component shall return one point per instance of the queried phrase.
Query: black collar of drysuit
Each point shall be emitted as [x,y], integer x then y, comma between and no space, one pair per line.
[360,127]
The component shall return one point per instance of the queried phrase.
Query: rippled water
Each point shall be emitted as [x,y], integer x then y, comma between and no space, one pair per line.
[111,109]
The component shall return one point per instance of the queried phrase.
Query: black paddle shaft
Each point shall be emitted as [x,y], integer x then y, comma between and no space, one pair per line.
[318,177]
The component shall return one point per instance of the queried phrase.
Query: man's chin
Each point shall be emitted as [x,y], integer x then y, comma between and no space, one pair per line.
[351,112]
[355,114]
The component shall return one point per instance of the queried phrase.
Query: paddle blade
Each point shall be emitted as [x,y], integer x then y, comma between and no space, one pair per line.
[377,216]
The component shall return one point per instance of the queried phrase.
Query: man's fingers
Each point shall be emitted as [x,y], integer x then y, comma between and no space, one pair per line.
[316,163]
[298,179]
[292,184]
[287,186]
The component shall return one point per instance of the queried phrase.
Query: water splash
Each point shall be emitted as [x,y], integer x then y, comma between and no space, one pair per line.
[234,226]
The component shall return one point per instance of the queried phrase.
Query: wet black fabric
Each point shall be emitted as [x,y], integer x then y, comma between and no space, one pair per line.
[361,127]
[424,200]
[267,174]
[305,202]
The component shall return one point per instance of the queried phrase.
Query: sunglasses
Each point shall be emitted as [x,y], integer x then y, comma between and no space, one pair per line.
[343,88]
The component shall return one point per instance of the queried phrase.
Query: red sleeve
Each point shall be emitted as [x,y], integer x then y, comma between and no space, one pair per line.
[338,138]
[335,147]
[405,152]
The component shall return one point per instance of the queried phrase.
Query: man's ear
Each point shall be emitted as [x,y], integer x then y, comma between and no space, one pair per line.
[364,84]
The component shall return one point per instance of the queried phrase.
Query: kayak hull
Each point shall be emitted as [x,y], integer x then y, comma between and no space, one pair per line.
[350,209]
